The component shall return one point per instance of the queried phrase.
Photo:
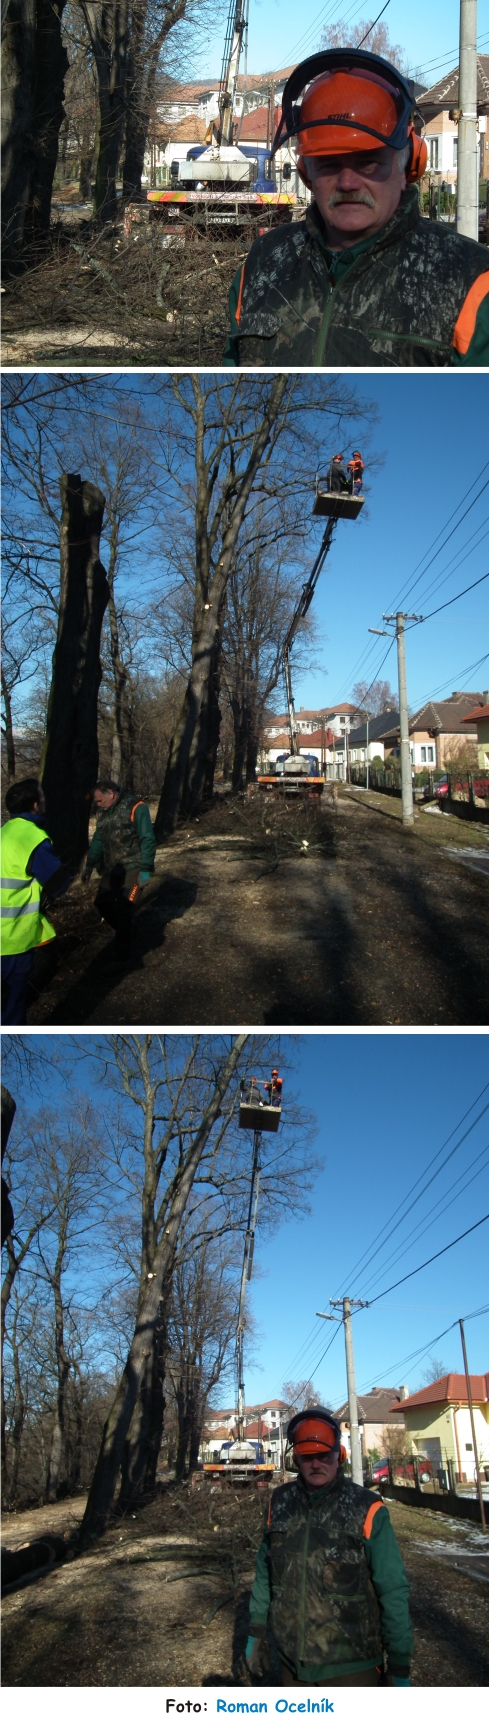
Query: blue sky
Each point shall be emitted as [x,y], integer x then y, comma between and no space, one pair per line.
[433,432]
[280,33]
[384,1106]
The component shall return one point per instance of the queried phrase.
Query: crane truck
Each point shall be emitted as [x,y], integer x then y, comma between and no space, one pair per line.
[298,774]
[221,184]
[243,1461]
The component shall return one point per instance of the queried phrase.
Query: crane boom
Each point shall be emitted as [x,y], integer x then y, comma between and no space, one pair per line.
[302,607]
[236,27]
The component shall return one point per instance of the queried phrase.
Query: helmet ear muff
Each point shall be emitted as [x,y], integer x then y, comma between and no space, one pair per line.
[419,157]
[301,168]
[342,1454]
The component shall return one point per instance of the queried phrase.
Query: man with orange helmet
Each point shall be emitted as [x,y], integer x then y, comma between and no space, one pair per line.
[330,1581]
[356,466]
[363,280]
[274,1089]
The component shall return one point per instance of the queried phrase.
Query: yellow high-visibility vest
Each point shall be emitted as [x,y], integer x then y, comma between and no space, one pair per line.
[23,925]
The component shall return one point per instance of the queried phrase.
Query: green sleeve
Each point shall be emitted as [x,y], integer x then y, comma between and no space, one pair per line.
[145,832]
[477,355]
[392,1589]
[231,350]
[95,854]
[261,1593]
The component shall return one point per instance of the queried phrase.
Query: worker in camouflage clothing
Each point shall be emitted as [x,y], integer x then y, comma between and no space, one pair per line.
[364,280]
[123,851]
[330,1580]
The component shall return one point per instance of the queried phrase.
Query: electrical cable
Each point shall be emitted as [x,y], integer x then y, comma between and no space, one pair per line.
[422,1350]
[367,1256]
[427,1223]
[431,1181]
[441,609]
[458,677]
[431,1258]
[407,588]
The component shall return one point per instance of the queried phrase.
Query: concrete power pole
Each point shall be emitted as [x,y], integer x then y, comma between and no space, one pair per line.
[346,1305]
[472,1423]
[468,142]
[406,770]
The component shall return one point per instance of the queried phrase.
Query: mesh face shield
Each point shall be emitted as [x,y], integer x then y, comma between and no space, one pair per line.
[354,101]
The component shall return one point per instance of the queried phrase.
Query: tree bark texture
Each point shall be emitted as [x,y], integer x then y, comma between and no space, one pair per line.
[9,731]
[70,754]
[58,1445]
[34,65]
[211,591]
[109,36]
[102,1491]
[142,65]
[18,1417]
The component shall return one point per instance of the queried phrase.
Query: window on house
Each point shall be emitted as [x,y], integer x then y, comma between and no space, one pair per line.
[433,152]
[431,752]
[455,151]
[423,752]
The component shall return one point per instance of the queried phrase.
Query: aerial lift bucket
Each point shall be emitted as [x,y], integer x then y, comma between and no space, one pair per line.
[328,504]
[255,1115]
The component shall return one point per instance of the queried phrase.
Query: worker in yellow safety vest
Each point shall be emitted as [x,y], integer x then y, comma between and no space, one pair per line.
[30,870]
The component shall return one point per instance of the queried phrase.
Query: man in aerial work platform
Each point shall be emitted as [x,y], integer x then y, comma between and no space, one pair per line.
[329,1579]
[363,280]
[338,480]
[356,467]
[123,850]
[274,1089]
[31,874]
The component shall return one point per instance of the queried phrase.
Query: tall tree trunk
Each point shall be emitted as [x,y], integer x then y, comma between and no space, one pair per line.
[70,753]
[18,1418]
[57,1457]
[142,67]
[9,731]
[109,36]
[118,769]
[51,65]
[183,1432]
[34,65]
[251,754]
[208,627]
[18,81]
[102,1491]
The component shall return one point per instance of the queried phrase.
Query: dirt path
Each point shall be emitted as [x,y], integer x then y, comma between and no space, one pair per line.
[146,1606]
[286,915]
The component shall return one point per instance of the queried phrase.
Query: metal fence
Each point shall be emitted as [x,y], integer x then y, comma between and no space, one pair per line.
[429,1476]
[465,794]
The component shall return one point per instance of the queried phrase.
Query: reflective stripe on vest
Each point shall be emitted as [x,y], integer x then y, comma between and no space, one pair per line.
[23,925]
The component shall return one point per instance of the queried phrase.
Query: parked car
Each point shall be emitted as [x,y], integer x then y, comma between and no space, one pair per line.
[380,1471]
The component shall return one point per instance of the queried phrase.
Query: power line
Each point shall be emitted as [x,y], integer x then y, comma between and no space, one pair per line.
[423,1348]
[407,589]
[457,678]
[426,1223]
[454,598]
[351,1277]
[423,1264]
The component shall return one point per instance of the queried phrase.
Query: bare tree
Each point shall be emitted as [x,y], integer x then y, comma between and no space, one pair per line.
[201,1337]
[374,699]
[375,37]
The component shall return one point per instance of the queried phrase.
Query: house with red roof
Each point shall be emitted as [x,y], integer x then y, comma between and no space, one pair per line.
[481,718]
[438,1420]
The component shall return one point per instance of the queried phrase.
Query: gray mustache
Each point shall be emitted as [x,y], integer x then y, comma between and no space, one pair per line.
[351,196]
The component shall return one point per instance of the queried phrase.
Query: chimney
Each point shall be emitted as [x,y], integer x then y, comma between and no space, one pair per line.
[403,1392]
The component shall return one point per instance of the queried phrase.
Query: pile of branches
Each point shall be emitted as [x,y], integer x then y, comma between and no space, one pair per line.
[151,296]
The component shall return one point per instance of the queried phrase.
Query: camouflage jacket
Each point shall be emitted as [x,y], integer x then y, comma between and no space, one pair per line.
[123,834]
[331,1580]
[410,298]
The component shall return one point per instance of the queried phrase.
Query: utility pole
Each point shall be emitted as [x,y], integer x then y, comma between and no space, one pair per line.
[406,770]
[472,1423]
[468,142]
[346,1304]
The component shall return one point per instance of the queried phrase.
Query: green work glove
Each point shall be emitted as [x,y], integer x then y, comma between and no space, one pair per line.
[143,877]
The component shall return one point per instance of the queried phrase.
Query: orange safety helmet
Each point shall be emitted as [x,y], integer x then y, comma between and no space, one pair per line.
[315,1432]
[353,102]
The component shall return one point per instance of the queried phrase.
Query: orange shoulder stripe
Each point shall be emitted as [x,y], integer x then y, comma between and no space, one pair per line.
[367,1527]
[240,295]
[464,327]
[135,806]
[269,1518]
